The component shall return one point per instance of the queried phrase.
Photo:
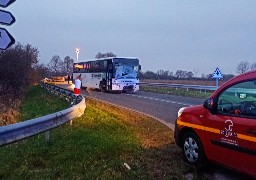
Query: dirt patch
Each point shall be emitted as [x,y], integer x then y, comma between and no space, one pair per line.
[9,116]
[9,112]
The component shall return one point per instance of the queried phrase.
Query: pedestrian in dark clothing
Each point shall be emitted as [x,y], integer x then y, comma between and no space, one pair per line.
[68,78]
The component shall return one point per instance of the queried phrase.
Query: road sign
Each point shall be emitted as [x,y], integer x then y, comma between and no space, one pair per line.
[6,18]
[5,3]
[217,74]
[6,39]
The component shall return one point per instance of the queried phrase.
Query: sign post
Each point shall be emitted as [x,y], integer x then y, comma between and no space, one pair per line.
[77,52]
[217,75]
[6,18]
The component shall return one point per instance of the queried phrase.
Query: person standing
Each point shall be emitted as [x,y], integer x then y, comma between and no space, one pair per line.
[68,78]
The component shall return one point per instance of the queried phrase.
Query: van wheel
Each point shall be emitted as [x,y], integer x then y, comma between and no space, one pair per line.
[192,149]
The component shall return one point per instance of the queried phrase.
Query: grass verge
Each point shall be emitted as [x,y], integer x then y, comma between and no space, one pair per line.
[39,102]
[179,92]
[105,143]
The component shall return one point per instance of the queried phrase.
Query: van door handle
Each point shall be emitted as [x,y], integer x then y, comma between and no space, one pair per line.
[251,131]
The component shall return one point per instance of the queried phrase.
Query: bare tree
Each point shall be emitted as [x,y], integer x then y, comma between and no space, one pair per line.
[253,66]
[56,65]
[189,75]
[183,74]
[68,64]
[242,67]
[195,72]
[104,55]
[149,75]
[178,74]
[160,72]
[17,68]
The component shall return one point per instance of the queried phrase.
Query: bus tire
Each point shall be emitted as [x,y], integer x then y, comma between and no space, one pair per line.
[83,87]
[101,87]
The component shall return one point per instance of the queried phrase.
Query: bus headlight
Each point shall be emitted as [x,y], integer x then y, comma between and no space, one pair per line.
[181,111]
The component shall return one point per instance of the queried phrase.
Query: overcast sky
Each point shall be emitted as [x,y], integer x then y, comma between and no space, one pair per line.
[172,35]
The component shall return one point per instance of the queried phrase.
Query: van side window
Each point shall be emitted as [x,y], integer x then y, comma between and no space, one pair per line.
[239,100]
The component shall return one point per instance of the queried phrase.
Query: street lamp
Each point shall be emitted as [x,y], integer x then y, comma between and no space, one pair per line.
[77,52]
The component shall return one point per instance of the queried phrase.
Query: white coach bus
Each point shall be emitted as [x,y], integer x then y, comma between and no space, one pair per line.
[109,74]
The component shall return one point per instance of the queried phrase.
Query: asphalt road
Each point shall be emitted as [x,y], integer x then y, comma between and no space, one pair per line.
[160,106]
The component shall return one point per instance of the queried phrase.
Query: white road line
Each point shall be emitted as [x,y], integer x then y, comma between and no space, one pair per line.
[173,102]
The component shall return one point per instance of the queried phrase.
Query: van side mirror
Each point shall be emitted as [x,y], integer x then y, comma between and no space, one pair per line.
[210,104]
[139,67]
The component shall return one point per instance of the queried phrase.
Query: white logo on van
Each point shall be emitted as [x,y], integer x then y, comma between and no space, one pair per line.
[228,129]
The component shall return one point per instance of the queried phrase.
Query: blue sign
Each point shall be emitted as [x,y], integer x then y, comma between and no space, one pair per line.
[5,3]
[6,39]
[217,74]
[6,18]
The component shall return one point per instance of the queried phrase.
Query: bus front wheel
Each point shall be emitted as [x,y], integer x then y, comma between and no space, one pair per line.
[102,87]
[83,87]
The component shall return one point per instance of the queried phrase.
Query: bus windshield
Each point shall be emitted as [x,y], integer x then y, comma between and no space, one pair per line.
[125,72]
[125,68]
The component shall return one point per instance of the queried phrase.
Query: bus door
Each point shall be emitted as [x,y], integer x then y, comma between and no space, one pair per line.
[109,76]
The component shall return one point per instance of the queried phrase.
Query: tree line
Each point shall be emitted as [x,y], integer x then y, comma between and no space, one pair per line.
[58,67]
[20,68]
[244,66]
[180,74]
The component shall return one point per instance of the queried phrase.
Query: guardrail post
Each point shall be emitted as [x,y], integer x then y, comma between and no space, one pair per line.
[47,136]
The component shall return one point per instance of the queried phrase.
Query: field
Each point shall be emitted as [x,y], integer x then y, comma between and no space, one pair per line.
[185,81]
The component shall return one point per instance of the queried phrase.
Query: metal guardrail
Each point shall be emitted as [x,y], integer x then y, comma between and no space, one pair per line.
[182,86]
[15,132]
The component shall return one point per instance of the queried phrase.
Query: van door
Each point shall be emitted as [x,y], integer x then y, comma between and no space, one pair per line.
[232,140]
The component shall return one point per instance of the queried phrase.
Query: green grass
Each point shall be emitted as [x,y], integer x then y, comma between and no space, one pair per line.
[178,92]
[39,102]
[96,146]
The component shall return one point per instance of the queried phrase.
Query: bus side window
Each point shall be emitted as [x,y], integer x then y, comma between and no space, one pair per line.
[105,63]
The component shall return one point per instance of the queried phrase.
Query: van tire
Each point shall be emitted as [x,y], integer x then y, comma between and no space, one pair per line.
[192,149]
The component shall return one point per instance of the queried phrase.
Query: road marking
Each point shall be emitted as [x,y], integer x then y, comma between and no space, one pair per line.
[145,97]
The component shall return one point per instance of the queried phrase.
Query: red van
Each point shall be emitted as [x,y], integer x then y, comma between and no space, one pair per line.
[223,129]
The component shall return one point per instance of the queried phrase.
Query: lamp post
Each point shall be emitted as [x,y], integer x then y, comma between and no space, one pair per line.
[77,52]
